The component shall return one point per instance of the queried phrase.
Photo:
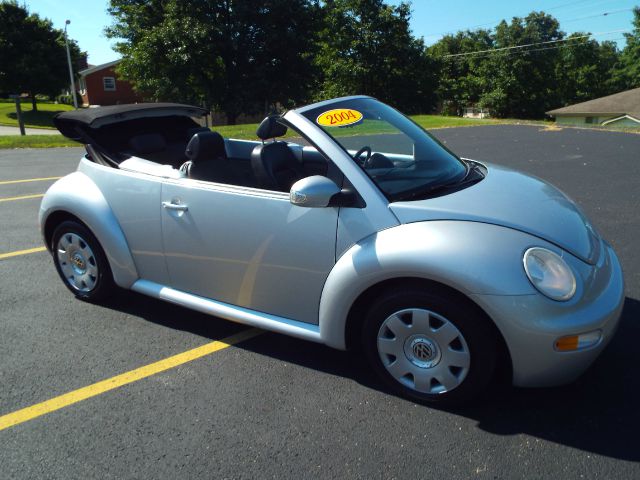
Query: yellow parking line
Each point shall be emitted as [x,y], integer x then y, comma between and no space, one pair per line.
[23,197]
[7,182]
[75,396]
[22,252]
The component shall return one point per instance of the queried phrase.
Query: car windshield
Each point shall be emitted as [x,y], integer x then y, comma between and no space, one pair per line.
[402,159]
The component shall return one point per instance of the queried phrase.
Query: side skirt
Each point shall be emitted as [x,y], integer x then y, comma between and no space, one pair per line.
[305,331]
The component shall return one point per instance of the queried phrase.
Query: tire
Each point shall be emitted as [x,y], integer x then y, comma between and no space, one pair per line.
[430,345]
[81,262]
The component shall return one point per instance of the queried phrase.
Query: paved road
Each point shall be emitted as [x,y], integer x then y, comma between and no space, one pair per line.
[276,407]
[5,130]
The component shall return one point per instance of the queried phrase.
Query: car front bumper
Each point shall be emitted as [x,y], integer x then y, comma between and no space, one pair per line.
[531,324]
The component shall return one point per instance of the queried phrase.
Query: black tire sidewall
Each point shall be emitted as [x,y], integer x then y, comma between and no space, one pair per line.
[479,336]
[104,284]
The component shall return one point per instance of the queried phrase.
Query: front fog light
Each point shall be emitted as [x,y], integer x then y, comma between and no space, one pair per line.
[549,273]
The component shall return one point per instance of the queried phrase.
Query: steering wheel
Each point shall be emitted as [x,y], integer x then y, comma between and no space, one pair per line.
[357,155]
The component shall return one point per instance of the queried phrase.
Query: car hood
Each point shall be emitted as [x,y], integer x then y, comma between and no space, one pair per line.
[514,200]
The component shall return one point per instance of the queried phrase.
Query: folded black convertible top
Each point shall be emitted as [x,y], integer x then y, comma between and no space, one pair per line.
[72,124]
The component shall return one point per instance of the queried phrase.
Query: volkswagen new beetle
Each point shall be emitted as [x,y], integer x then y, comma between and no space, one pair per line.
[359,231]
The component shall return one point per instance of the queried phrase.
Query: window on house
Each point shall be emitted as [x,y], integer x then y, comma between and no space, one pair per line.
[83,86]
[109,84]
[589,120]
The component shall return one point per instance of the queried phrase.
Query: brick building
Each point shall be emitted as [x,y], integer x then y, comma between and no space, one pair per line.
[99,85]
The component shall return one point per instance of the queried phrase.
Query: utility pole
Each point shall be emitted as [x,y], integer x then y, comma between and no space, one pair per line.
[19,113]
[73,84]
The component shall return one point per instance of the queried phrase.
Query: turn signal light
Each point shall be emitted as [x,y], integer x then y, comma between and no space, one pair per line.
[578,342]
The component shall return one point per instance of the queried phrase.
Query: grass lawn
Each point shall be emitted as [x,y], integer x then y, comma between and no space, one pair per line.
[438,121]
[43,118]
[248,131]
[245,132]
[35,141]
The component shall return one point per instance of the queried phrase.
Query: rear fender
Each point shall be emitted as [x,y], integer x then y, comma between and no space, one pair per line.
[79,196]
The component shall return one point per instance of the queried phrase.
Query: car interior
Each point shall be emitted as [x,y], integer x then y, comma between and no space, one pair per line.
[178,147]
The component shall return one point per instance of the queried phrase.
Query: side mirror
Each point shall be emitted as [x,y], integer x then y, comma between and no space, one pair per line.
[313,192]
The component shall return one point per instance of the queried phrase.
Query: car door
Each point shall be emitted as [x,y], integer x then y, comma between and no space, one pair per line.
[247,247]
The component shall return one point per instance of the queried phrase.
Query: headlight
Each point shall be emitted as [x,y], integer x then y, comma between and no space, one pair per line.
[549,273]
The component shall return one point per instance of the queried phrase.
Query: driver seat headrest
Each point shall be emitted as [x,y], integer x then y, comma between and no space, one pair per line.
[270,128]
[205,146]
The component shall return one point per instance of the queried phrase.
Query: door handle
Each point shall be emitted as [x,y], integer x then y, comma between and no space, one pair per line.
[175,206]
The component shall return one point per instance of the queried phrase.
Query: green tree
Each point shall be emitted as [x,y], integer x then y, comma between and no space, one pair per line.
[461,77]
[286,74]
[32,53]
[626,74]
[366,47]
[521,82]
[238,55]
[583,69]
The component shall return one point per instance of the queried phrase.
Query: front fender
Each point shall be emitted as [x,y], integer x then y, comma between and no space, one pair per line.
[471,257]
[78,195]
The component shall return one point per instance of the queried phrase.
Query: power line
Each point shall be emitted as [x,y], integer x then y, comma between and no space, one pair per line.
[514,47]
[559,46]
[493,50]
[474,27]
[523,52]
[603,14]
[596,4]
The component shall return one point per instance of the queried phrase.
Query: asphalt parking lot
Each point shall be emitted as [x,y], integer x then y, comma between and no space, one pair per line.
[277,407]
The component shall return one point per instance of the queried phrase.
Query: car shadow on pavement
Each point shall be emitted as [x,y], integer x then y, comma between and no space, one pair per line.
[599,413]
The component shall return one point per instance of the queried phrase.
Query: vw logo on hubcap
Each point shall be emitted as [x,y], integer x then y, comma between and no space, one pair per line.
[78,263]
[422,351]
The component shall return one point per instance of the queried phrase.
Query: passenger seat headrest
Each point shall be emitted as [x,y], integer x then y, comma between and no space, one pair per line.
[205,146]
[270,128]
[147,143]
[192,131]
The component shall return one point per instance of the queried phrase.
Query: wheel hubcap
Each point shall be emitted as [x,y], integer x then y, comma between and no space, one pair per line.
[77,262]
[423,351]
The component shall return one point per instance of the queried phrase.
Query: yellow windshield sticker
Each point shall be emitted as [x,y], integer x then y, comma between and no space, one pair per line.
[339,117]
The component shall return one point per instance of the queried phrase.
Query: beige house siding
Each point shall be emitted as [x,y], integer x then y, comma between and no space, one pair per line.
[562,120]
[595,121]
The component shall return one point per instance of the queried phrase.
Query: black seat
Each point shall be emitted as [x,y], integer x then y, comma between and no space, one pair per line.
[147,143]
[154,147]
[378,160]
[207,159]
[274,164]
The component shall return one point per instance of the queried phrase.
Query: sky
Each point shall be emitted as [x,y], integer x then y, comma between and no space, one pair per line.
[431,19]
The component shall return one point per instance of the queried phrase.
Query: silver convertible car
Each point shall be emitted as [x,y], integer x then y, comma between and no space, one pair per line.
[346,224]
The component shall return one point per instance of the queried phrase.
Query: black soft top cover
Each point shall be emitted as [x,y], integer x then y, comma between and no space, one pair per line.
[74,124]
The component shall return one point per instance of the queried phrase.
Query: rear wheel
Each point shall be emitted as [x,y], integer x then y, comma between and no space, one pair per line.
[429,346]
[81,262]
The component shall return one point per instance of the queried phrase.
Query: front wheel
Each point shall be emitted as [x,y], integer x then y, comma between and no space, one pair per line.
[429,346]
[81,262]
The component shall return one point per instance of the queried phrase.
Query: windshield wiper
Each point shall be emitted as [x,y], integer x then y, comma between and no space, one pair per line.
[473,175]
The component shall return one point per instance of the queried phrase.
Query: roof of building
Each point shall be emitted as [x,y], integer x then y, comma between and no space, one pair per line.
[627,102]
[96,68]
